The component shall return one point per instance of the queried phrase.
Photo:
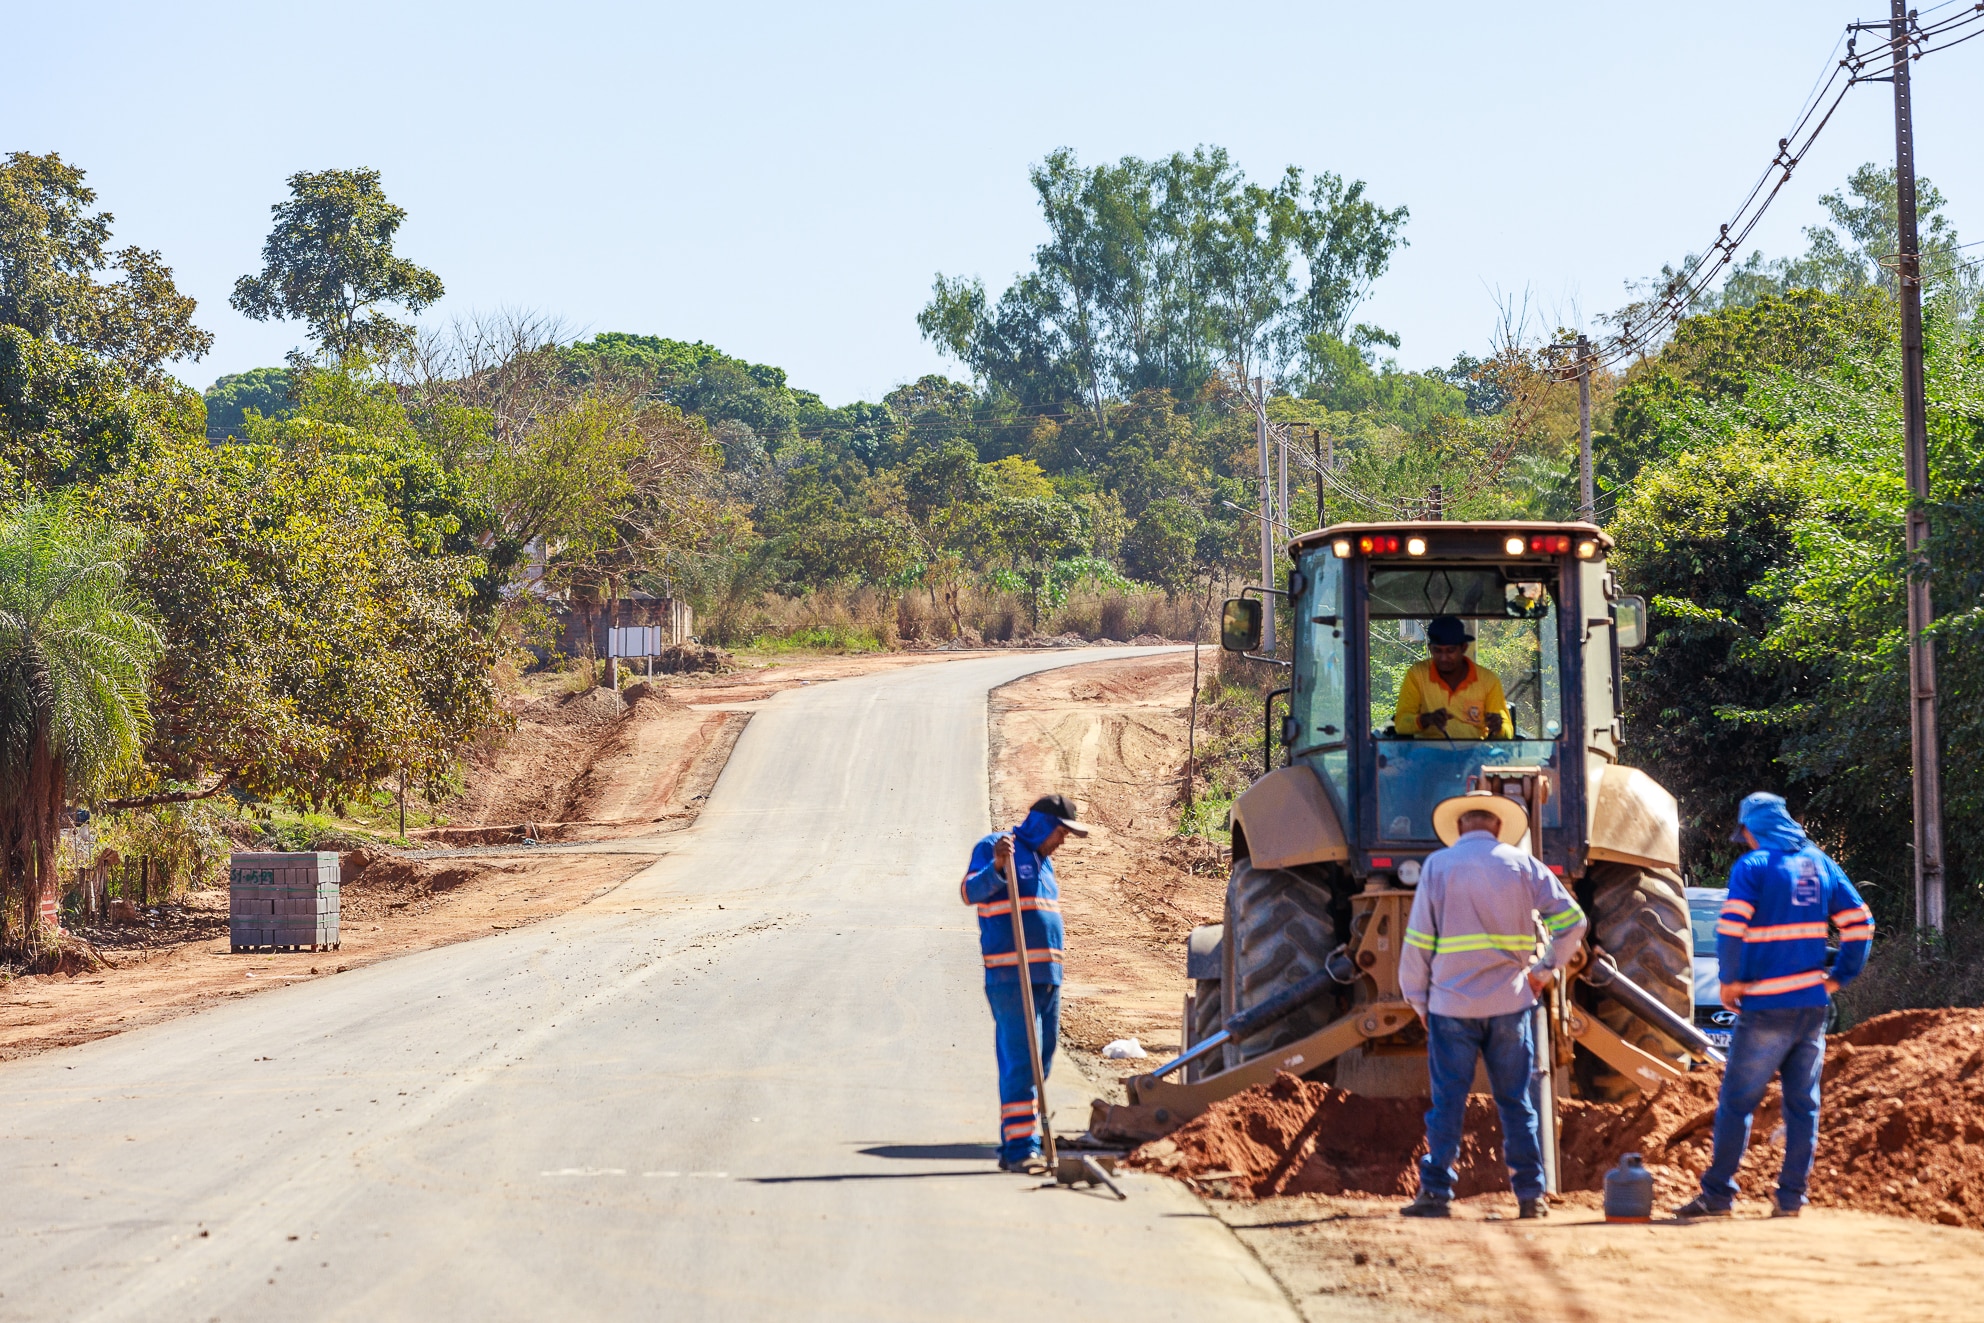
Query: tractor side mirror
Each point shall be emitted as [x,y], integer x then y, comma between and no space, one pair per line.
[1240,624]
[1629,621]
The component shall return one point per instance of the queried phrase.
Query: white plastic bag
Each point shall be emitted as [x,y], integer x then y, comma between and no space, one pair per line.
[1125,1049]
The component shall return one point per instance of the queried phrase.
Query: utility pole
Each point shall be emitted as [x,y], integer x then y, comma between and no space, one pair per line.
[1316,435]
[1267,516]
[1587,490]
[1283,439]
[1921,610]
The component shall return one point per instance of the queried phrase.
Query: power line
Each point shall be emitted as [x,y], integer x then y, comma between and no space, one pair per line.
[1637,335]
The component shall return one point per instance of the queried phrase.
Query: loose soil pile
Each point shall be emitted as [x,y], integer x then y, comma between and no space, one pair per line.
[379,885]
[1901,1132]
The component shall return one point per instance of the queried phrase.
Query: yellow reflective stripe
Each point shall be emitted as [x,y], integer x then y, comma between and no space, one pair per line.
[1034,955]
[1771,987]
[1424,941]
[1557,923]
[1486,942]
[992,909]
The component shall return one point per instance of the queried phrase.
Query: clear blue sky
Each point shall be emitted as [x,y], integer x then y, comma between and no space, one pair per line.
[783,180]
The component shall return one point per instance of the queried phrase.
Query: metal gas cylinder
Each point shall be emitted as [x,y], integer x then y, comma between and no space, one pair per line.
[1629,1191]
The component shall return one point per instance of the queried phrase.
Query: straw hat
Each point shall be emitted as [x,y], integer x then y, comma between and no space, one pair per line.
[1514,818]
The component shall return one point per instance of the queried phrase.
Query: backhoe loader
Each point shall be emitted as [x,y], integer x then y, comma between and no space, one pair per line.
[1303,974]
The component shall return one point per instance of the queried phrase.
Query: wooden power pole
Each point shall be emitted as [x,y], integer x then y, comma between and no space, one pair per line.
[1587,490]
[1915,438]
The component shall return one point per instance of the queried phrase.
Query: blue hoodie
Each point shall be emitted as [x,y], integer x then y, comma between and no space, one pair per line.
[1771,938]
[1040,904]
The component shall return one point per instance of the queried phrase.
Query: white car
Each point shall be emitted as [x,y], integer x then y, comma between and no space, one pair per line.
[1704,908]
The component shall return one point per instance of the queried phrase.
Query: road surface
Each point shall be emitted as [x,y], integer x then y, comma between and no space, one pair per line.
[753,1082]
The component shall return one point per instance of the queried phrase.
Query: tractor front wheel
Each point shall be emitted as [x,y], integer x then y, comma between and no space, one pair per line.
[1640,918]
[1279,930]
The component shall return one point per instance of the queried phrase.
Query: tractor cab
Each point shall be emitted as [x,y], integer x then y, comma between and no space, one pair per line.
[1434,658]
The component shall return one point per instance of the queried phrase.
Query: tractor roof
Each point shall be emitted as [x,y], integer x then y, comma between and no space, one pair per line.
[1575,528]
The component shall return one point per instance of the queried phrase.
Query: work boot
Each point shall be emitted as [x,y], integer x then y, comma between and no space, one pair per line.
[1030,1164]
[1426,1205]
[1699,1206]
[1537,1207]
[1777,1208]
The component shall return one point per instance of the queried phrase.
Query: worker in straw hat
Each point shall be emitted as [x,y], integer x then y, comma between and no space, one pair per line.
[1472,969]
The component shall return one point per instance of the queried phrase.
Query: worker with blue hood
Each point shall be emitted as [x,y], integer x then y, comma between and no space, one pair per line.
[1771,942]
[1029,848]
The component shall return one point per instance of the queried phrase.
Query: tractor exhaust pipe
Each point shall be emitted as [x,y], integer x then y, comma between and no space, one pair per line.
[1603,973]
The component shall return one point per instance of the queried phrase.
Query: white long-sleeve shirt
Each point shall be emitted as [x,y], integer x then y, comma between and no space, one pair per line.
[1472,939]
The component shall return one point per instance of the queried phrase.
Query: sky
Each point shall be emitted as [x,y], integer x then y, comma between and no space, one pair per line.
[785,180]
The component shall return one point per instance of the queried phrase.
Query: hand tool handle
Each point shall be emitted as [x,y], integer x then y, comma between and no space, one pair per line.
[1026,1008]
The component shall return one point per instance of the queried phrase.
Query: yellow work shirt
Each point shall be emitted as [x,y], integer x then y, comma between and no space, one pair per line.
[1468,706]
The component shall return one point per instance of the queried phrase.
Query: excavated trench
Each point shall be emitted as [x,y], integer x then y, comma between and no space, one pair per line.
[1901,1132]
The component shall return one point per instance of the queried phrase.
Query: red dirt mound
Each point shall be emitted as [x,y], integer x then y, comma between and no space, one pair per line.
[1902,1131]
[376,884]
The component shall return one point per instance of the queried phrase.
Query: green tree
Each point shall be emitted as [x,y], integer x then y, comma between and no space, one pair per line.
[52,247]
[329,263]
[1157,273]
[265,390]
[76,649]
[311,650]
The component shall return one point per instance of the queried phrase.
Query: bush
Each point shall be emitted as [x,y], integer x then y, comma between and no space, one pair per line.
[1904,973]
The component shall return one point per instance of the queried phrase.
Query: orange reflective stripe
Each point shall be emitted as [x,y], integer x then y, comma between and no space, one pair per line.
[1016,1109]
[1731,928]
[1786,932]
[1034,957]
[1865,933]
[1742,909]
[1789,983]
[1859,913]
[997,907]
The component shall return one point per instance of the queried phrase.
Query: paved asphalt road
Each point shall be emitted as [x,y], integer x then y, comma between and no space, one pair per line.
[754,1082]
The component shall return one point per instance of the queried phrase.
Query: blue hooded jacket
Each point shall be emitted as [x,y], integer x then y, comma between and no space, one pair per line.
[1040,905]
[1771,938]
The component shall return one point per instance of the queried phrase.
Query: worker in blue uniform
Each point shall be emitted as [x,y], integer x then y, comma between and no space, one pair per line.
[1771,944]
[1029,847]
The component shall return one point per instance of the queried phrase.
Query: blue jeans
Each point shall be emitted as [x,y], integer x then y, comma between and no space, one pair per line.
[1789,1044]
[1016,1116]
[1506,1044]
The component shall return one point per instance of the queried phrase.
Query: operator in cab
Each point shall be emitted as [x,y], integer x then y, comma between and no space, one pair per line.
[1448,696]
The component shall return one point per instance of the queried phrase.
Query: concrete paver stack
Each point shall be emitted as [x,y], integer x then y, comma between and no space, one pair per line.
[283,901]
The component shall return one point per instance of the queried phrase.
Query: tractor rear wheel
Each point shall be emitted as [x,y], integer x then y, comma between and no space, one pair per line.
[1640,918]
[1207,1020]
[1279,930]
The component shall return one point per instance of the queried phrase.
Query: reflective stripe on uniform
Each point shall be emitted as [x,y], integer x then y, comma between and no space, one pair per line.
[1424,941]
[1864,933]
[1016,1109]
[1741,909]
[1785,932]
[1770,987]
[1043,955]
[1857,914]
[1731,927]
[1564,921]
[997,907]
[1485,942]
